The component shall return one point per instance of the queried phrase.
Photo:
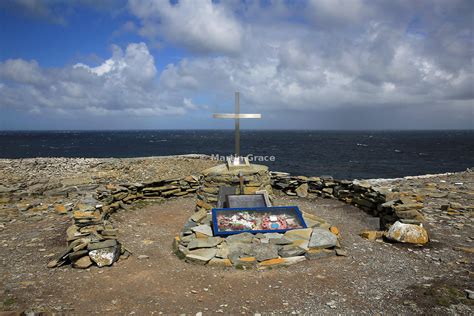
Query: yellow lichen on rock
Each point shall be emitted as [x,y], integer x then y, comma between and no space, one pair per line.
[408,233]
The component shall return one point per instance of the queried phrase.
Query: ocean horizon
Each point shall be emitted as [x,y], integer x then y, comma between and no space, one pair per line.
[340,153]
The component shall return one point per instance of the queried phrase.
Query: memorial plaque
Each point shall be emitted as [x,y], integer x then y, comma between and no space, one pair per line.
[277,219]
[246,200]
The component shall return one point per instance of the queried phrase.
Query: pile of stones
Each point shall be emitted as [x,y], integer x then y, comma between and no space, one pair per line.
[197,244]
[92,239]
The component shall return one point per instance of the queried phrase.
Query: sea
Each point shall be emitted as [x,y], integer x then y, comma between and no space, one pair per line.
[341,154]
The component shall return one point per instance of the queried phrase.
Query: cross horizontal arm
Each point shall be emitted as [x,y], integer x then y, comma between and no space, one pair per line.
[236,116]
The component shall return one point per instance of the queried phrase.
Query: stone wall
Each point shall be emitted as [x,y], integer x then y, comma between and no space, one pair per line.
[368,195]
[93,239]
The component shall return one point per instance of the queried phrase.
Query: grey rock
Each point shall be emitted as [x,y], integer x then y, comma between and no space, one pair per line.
[276,239]
[223,251]
[265,252]
[341,252]
[189,224]
[291,251]
[204,242]
[102,244]
[239,250]
[201,256]
[302,190]
[240,238]
[203,229]
[318,254]
[198,216]
[322,238]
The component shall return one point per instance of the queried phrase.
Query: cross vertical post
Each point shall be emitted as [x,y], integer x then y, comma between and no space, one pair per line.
[237,161]
[237,124]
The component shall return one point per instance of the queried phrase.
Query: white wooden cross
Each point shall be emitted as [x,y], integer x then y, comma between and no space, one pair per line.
[237,116]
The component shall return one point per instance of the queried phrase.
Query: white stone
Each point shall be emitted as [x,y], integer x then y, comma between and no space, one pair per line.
[407,233]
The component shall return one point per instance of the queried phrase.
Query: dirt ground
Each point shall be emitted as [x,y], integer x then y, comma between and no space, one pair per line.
[376,277]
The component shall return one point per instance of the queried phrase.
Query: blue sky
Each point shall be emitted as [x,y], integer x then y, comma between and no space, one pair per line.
[308,64]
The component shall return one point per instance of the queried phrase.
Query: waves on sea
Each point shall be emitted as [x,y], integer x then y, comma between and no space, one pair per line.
[342,154]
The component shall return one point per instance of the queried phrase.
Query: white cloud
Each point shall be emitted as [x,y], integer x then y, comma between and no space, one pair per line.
[198,25]
[326,55]
[126,83]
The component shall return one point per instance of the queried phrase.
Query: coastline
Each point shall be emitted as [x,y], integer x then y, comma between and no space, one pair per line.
[32,186]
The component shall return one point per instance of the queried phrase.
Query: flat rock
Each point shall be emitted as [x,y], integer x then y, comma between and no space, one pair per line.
[292,260]
[295,234]
[203,229]
[291,251]
[265,252]
[198,216]
[322,238]
[272,262]
[201,256]
[318,253]
[239,250]
[301,243]
[204,242]
[82,263]
[102,244]
[189,224]
[240,238]
[276,239]
[302,190]
[407,233]
[218,262]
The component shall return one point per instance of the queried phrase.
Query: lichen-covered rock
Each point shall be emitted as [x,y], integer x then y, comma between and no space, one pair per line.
[302,190]
[105,256]
[408,233]
[296,234]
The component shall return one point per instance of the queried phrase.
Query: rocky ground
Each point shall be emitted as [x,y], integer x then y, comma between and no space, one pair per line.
[30,188]
[375,277]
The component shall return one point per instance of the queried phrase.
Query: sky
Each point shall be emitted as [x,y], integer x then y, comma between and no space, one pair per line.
[159,64]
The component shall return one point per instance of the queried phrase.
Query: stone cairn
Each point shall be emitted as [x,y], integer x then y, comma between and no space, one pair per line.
[92,238]
[197,244]
[255,178]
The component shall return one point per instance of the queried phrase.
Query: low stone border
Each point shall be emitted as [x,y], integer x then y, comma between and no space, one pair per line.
[196,244]
[371,196]
[92,239]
